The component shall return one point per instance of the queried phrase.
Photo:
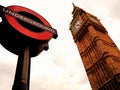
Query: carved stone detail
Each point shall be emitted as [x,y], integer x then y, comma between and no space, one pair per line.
[99,53]
[93,44]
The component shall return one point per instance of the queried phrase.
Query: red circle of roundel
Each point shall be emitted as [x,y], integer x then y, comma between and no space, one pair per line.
[45,35]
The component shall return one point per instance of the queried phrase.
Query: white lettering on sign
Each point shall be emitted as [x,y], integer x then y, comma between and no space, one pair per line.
[29,20]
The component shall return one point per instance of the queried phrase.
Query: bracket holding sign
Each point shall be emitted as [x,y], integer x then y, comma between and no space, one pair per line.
[25,33]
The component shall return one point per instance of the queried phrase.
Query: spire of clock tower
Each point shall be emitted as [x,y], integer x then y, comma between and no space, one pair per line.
[74,5]
[100,55]
[75,10]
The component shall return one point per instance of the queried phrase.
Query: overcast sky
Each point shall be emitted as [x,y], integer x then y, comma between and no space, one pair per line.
[59,68]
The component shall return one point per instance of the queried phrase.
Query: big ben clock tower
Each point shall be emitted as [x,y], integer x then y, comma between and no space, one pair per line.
[100,55]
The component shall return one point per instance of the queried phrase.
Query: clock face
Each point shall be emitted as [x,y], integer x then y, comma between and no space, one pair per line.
[94,19]
[78,24]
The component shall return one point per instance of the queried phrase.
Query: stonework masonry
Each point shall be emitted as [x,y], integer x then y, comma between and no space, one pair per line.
[100,55]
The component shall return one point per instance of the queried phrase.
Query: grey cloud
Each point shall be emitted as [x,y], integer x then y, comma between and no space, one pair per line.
[6,76]
[114,8]
[50,84]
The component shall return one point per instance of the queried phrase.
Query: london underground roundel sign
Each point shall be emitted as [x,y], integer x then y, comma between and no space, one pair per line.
[28,22]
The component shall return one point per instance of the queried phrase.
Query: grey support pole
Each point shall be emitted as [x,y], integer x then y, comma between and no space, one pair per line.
[25,43]
[22,76]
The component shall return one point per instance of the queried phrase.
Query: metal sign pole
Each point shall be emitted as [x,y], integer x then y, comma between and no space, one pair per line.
[22,77]
[16,37]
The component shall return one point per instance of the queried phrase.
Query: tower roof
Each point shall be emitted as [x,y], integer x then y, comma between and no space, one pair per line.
[76,9]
